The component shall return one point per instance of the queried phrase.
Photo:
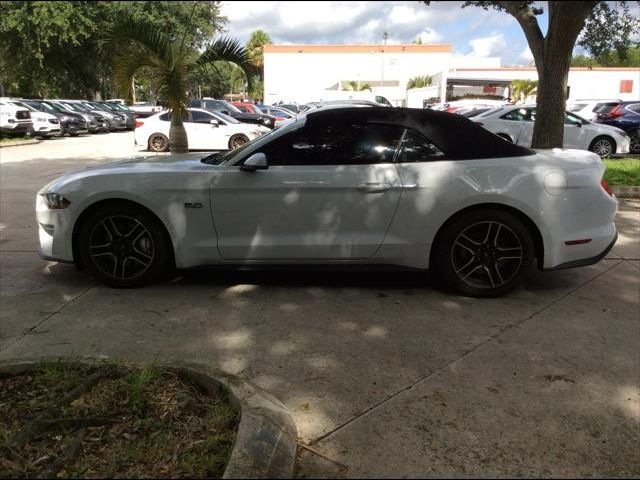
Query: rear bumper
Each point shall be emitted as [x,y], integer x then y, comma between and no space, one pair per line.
[587,261]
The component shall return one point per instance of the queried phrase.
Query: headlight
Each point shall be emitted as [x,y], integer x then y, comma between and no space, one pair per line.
[55,201]
[65,118]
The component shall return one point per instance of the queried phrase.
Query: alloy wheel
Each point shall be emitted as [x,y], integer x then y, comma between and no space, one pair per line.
[158,143]
[121,247]
[486,255]
[603,147]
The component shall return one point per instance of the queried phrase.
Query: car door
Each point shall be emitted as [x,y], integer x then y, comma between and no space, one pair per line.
[575,135]
[525,117]
[329,193]
[202,134]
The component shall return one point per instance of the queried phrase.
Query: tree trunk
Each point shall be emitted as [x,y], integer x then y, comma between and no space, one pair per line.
[178,142]
[553,74]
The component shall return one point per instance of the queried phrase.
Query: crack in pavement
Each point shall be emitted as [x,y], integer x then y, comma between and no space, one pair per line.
[503,331]
[32,330]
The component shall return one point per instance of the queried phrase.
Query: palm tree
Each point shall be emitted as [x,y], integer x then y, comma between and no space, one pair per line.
[137,45]
[356,86]
[521,89]
[419,82]
[255,52]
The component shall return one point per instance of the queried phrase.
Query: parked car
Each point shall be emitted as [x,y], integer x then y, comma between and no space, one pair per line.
[117,121]
[622,115]
[72,124]
[586,108]
[363,186]
[44,125]
[95,122]
[246,107]
[145,109]
[123,110]
[232,111]
[475,112]
[282,115]
[206,130]
[292,107]
[14,120]
[515,124]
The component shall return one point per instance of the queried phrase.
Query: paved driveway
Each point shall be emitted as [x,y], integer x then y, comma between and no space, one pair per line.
[385,375]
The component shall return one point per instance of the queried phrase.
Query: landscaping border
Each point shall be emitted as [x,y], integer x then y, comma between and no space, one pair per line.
[266,440]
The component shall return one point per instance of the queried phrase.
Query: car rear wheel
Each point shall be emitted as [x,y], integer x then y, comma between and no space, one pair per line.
[603,146]
[634,144]
[483,253]
[158,142]
[124,246]
[237,141]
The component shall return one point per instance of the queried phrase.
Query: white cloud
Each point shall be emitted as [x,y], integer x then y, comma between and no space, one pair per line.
[488,46]
[526,55]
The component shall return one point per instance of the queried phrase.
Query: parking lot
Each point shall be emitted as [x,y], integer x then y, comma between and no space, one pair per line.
[384,373]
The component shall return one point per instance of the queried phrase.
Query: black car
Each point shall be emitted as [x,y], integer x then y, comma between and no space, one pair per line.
[235,112]
[129,116]
[72,124]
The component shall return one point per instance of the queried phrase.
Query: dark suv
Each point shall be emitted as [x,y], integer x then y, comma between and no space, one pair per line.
[72,124]
[624,115]
[235,112]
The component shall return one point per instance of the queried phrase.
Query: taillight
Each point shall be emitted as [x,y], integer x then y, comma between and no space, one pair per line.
[616,112]
[139,123]
[605,187]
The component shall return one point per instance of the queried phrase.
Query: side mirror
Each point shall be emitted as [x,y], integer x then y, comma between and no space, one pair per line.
[257,161]
[214,122]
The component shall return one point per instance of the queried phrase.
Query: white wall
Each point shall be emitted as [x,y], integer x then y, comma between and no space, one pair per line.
[598,83]
[415,96]
[302,77]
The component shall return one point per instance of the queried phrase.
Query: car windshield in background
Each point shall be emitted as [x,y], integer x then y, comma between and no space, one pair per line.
[224,117]
[53,107]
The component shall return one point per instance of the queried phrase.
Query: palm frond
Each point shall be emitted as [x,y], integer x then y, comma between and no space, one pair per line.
[144,35]
[229,50]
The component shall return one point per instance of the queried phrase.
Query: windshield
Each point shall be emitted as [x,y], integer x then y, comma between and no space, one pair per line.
[76,107]
[24,105]
[223,116]
[232,156]
[53,107]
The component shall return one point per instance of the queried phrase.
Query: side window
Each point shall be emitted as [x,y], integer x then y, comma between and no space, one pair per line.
[417,148]
[570,119]
[517,115]
[166,117]
[634,107]
[201,117]
[336,144]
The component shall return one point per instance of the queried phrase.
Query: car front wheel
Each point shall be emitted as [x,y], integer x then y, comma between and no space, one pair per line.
[158,143]
[124,246]
[603,146]
[483,253]
[237,141]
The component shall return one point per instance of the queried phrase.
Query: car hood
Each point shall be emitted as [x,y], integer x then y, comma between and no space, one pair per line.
[140,164]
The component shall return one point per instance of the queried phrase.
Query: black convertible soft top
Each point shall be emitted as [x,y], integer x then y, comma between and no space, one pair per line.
[458,137]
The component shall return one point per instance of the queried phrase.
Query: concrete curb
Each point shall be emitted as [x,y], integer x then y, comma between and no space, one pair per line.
[24,142]
[266,441]
[625,191]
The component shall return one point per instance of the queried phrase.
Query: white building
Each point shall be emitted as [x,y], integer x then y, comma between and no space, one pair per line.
[304,73]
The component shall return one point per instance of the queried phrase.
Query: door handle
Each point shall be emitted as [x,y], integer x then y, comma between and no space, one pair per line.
[374,187]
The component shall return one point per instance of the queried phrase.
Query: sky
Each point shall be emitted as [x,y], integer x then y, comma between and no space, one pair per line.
[471,31]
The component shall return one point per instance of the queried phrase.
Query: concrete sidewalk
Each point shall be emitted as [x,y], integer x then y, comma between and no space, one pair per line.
[385,375]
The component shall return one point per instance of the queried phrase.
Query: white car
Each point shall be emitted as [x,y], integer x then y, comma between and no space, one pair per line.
[206,130]
[45,125]
[339,186]
[515,124]
[14,120]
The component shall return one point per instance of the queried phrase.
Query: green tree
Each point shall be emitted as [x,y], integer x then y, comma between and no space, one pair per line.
[521,89]
[169,62]
[610,58]
[552,52]
[50,48]
[254,47]
[356,86]
[419,82]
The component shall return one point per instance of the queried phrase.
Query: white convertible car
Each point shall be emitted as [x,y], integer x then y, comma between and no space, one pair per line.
[377,186]
[206,130]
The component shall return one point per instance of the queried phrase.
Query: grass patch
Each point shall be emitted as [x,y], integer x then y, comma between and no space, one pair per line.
[10,140]
[622,172]
[113,421]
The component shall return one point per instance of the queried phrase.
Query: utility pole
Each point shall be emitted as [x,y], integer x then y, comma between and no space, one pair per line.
[385,35]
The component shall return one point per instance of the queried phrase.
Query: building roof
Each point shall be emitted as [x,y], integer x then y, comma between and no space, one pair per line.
[366,48]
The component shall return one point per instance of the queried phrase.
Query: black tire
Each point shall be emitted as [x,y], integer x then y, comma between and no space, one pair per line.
[124,246]
[237,140]
[634,144]
[483,253]
[158,142]
[603,146]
